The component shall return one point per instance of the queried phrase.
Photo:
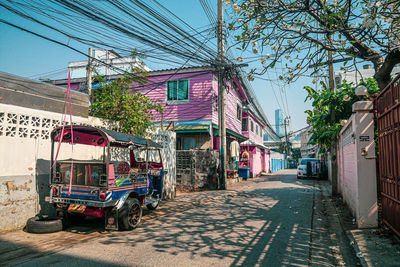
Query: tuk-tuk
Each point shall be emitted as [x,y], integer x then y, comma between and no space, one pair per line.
[105,187]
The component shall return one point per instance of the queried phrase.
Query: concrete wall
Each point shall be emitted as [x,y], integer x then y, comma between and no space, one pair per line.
[168,140]
[357,165]
[196,170]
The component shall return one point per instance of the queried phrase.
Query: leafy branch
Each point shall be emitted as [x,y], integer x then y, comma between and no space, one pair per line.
[324,129]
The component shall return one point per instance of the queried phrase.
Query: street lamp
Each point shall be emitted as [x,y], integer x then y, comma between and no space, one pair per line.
[361,91]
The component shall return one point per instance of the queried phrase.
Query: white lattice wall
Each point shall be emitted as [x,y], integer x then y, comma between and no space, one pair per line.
[25,136]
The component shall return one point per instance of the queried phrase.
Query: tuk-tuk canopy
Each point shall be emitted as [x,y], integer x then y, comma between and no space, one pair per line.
[95,136]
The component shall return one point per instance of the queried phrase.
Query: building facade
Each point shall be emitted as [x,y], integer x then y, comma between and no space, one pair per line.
[190,99]
[279,127]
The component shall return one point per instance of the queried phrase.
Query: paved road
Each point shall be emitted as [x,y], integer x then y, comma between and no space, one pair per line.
[275,220]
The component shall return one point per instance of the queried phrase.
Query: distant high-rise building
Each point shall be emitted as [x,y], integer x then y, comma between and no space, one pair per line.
[279,122]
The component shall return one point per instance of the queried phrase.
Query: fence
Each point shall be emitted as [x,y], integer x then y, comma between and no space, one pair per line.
[278,161]
[196,169]
[387,111]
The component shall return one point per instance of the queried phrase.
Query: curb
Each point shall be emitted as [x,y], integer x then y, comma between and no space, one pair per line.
[356,248]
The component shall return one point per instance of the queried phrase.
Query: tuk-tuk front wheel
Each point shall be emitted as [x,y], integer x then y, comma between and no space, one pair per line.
[130,214]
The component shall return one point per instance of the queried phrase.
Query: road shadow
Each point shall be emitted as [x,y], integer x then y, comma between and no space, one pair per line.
[266,227]
[14,254]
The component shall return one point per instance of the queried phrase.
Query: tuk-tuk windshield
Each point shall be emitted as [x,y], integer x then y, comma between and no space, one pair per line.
[154,155]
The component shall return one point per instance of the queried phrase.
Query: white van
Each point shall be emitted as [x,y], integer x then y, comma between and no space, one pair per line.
[314,168]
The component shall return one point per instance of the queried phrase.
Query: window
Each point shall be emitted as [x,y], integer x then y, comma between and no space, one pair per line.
[154,155]
[238,112]
[245,125]
[257,129]
[252,126]
[261,132]
[178,90]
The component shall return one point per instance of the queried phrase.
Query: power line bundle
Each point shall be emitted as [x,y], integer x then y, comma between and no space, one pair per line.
[121,25]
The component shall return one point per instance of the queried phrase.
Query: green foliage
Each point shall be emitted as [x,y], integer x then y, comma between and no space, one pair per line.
[118,100]
[296,153]
[326,128]
[282,148]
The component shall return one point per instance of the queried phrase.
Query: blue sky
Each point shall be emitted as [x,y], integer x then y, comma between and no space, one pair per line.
[26,55]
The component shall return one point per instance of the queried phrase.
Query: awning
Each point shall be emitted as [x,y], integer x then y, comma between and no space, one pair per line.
[199,126]
[192,128]
[252,143]
[229,131]
[86,135]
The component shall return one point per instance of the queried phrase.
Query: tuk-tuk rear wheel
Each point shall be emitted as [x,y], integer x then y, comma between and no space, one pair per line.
[153,206]
[130,214]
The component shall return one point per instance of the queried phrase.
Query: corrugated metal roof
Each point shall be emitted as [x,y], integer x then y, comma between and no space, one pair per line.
[19,91]
[113,137]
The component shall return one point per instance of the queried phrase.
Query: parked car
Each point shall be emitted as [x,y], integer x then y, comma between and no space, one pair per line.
[309,168]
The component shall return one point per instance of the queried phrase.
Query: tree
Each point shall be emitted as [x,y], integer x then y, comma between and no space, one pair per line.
[296,154]
[118,100]
[324,130]
[301,32]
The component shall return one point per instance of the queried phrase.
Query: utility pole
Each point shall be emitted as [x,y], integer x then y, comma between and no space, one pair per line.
[286,123]
[89,73]
[221,100]
[333,116]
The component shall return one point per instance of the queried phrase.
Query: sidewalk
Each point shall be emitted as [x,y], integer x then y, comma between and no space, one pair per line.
[374,247]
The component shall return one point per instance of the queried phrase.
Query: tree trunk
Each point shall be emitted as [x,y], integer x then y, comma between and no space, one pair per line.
[383,68]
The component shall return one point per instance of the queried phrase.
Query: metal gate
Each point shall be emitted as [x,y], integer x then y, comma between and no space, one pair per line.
[387,110]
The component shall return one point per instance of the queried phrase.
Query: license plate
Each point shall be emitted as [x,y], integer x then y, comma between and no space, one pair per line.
[76,208]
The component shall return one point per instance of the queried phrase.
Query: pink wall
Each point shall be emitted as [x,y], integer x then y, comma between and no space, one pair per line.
[357,169]
[347,167]
[199,106]
[256,162]
[232,99]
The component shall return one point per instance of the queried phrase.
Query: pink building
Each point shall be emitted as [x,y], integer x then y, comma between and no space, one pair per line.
[190,97]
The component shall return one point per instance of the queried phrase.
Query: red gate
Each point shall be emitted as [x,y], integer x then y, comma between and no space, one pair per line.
[387,110]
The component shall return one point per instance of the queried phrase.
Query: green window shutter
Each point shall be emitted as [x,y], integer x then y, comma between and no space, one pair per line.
[183,92]
[172,90]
